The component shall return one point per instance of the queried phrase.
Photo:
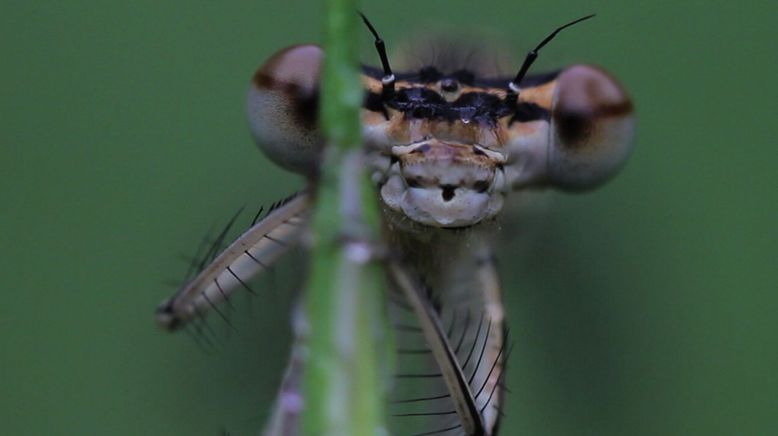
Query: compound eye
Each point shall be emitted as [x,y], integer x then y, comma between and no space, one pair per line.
[592,126]
[282,108]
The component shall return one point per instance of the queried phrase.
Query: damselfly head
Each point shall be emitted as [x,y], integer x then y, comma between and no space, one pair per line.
[445,147]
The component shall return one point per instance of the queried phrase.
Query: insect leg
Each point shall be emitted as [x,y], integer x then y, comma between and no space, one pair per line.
[251,253]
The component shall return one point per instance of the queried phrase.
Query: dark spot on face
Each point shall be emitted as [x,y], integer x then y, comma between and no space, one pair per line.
[481,186]
[412,182]
[448,192]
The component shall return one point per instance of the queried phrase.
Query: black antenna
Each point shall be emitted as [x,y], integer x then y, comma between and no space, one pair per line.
[513,86]
[388,80]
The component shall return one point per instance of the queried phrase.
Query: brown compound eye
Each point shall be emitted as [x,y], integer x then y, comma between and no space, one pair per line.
[282,108]
[592,127]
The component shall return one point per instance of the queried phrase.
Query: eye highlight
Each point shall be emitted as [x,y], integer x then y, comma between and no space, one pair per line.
[281,107]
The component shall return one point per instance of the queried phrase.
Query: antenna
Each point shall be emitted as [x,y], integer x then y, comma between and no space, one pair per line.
[513,85]
[388,80]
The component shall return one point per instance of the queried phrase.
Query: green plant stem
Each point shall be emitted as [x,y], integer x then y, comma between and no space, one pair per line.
[343,380]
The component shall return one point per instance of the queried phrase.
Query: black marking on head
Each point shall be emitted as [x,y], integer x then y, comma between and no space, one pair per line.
[420,102]
[412,182]
[526,112]
[448,192]
[466,77]
[424,103]
[374,102]
[481,186]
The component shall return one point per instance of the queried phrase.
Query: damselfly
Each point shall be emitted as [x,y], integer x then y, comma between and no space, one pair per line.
[445,145]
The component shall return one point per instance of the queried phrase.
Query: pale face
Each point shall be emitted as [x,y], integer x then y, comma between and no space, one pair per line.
[441,174]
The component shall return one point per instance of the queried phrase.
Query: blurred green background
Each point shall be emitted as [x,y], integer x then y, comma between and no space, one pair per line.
[645,308]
